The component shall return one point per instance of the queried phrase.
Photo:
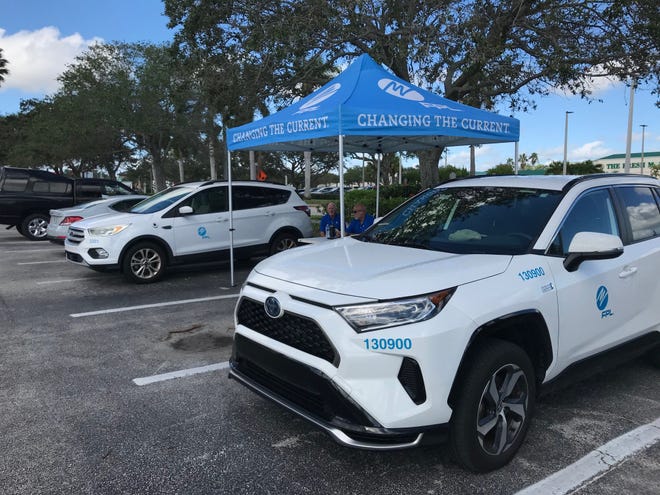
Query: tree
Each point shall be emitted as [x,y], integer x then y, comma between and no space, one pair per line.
[501,169]
[487,53]
[3,68]
[579,168]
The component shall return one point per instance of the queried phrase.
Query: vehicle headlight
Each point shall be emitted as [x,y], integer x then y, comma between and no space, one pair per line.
[107,231]
[374,316]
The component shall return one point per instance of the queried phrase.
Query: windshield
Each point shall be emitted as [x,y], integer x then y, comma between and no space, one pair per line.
[485,220]
[161,200]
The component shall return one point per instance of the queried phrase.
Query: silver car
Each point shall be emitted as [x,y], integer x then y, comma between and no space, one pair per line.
[58,226]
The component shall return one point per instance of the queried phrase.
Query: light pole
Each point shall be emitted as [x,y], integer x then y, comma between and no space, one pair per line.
[565,142]
[643,126]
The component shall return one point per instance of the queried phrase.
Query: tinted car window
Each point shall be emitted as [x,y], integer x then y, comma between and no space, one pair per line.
[592,212]
[245,197]
[126,204]
[642,210]
[213,200]
[115,189]
[15,182]
[489,220]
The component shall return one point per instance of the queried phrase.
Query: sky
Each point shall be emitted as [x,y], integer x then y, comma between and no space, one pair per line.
[40,38]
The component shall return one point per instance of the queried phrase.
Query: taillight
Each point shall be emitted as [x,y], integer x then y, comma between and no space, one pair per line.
[70,220]
[304,208]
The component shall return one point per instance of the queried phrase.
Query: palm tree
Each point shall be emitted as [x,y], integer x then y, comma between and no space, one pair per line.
[534,158]
[522,158]
[3,68]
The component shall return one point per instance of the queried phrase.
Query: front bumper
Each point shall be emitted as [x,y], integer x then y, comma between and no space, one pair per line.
[92,251]
[311,395]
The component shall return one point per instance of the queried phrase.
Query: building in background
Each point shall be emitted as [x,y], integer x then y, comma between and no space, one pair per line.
[616,163]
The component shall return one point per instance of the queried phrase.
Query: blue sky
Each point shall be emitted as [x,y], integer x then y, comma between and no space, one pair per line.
[40,37]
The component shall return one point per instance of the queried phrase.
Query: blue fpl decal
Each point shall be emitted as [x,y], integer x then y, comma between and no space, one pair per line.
[202,232]
[602,298]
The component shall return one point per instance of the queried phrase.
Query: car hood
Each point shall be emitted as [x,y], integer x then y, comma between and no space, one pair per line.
[378,271]
[105,220]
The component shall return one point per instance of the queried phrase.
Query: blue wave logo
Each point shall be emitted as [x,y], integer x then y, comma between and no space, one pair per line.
[602,297]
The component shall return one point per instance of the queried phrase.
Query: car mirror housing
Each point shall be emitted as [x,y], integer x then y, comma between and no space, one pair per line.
[185,210]
[592,246]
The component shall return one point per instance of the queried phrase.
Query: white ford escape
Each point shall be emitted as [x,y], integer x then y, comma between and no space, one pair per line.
[190,223]
[443,320]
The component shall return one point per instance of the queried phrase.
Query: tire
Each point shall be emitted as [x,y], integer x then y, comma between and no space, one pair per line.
[282,242]
[34,227]
[497,391]
[144,263]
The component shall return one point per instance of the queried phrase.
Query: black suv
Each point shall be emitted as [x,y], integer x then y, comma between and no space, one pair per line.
[28,195]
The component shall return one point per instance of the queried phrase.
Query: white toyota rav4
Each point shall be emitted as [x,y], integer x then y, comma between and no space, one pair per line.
[444,319]
[190,223]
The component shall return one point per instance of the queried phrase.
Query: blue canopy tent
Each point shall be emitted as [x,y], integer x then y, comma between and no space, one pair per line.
[368,109]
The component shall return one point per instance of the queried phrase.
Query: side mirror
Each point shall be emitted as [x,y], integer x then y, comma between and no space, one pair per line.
[592,246]
[185,210]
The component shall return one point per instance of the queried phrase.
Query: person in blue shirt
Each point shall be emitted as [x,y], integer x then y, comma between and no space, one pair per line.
[331,222]
[361,220]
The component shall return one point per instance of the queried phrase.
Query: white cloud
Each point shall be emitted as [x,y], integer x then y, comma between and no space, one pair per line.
[36,58]
[589,151]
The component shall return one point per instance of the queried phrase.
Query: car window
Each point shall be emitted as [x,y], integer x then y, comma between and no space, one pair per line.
[642,211]
[55,187]
[245,197]
[212,200]
[88,188]
[15,182]
[116,189]
[161,200]
[489,220]
[126,204]
[592,212]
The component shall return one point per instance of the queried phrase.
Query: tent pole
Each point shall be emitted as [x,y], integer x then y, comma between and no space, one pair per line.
[378,157]
[341,184]
[231,221]
[515,159]
[308,174]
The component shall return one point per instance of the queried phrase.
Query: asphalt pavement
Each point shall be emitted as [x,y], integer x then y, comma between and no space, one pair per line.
[76,418]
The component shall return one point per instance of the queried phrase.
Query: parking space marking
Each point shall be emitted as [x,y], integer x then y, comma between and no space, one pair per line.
[45,250]
[41,262]
[180,374]
[45,282]
[597,462]
[154,305]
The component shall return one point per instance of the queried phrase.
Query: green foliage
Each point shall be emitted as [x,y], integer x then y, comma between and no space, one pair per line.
[501,169]
[655,170]
[580,168]
[449,172]
[3,68]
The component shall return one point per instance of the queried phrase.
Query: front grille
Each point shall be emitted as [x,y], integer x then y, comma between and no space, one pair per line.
[75,235]
[296,382]
[75,257]
[293,330]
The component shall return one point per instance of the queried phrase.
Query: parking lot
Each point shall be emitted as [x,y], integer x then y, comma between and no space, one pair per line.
[111,387]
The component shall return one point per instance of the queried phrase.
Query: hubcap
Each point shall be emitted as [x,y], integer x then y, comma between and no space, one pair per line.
[502,409]
[38,227]
[146,263]
[285,244]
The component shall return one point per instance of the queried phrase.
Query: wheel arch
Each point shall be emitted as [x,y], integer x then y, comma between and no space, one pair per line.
[527,329]
[287,229]
[146,238]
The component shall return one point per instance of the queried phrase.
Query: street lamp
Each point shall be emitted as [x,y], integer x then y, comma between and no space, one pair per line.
[643,126]
[565,142]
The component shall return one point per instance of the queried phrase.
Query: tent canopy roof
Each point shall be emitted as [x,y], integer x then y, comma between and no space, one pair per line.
[375,111]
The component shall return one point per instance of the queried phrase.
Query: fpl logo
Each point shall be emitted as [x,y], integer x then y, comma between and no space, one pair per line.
[399,90]
[602,298]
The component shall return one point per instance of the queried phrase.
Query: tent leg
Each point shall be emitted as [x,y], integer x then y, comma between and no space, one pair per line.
[341,184]
[231,221]
[378,158]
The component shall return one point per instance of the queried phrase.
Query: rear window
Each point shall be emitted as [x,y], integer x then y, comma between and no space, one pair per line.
[245,197]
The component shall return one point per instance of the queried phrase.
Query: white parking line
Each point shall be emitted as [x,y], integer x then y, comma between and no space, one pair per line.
[179,374]
[597,462]
[45,282]
[46,250]
[155,305]
[41,262]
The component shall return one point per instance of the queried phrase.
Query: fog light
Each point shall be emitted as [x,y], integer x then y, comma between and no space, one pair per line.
[98,253]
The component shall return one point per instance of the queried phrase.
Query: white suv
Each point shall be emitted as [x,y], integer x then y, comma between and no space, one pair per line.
[190,223]
[443,320]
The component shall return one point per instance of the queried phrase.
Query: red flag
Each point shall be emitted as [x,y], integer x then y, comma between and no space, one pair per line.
[261,175]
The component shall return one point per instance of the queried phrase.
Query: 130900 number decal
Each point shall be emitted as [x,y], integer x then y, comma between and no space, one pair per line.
[530,274]
[387,344]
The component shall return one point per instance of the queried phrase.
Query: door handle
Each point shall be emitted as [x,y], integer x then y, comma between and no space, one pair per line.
[222,220]
[167,227]
[628,271]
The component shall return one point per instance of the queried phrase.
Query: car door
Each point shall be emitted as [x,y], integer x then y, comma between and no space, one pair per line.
[206,229]
[642,213]
[595,307]
[254,208]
